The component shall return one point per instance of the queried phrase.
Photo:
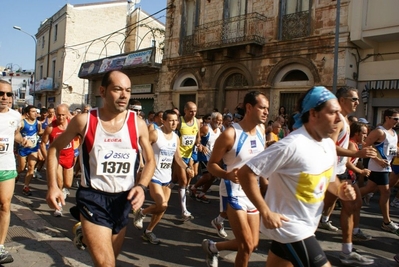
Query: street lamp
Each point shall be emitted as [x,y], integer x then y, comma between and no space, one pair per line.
[34,71]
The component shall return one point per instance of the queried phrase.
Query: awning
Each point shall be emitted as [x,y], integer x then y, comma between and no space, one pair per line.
[383,84]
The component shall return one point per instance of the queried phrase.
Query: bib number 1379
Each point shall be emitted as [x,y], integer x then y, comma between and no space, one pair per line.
[112,167]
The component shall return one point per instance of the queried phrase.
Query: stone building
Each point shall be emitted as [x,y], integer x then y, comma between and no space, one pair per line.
[73,35]
[217,51]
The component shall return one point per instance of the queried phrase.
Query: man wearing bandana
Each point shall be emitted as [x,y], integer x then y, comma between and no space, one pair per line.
[300,168]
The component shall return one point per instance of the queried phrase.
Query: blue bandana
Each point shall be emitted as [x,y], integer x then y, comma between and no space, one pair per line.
[315,97]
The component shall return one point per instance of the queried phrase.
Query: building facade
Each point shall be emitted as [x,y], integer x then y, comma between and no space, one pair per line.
[73,35]
[141,60]
[21,81]
[217,51]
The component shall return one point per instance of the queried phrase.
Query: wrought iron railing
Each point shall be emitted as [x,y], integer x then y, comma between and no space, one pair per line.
[244,29]
[295,25]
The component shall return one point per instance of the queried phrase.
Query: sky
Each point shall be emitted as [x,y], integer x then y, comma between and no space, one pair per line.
[17,49]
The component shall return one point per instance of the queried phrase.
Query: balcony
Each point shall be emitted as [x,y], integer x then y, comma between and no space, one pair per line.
[44,85]
[248,29]
[295,25]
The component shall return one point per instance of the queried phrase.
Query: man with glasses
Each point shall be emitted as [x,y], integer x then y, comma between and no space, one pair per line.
[385,140]
[348,100]
[10,120]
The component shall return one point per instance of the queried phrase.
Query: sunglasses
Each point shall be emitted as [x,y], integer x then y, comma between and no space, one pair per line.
[137,110]
[353,99]
[395,118]
[9,94]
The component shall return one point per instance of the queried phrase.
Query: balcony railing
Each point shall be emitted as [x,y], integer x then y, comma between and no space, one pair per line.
[240,30]
[295,25]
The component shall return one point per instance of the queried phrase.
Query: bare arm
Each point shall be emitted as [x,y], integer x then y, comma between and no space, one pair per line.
[223,144]
[45,139]
[75,127]
[181,163]
[136,194]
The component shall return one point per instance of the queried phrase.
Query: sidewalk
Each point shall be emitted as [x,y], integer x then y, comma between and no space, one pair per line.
[33,242]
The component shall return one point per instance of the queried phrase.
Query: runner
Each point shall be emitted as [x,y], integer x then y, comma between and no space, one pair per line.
[300,168]
[235,146]
[165,144]
[66,155]
[28,156]
[10,120]
[112,136]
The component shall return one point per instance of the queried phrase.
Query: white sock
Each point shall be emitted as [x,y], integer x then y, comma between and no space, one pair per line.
[182,193]
[324,219]
[346,248]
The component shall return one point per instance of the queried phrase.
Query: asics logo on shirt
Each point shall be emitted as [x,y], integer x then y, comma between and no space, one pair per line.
[116,155]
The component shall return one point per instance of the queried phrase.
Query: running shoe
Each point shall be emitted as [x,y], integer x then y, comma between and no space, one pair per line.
[390,227]
[138,219]
[202,199]
[77,240]
[395,203]
[219,228]
[66,192]
[58,213]
[328,226]
[211,258]
[186,216]
[26,191]
[360,236]
[37,175]
[150,237]
[354,258]
[5,257]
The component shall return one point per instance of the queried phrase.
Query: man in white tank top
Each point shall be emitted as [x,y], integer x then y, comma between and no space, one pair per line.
[385,140]
[10,121]
[235,146]
[165,143]
[348,99]
[111,139]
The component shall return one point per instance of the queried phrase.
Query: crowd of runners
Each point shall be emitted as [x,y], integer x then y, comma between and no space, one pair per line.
[281,177]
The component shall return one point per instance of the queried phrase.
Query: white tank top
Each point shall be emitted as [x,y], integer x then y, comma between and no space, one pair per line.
[343,141]
[387,149]
[245,147]
[164,151]
[211,136]
[11,121]
[109,160]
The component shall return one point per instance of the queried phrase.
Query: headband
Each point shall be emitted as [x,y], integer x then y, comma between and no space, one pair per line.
[315,97]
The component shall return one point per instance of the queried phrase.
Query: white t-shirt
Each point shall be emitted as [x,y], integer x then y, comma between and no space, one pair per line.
[299,170]
[10,122]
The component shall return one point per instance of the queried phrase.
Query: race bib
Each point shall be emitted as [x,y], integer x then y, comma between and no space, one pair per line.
[392,151]
[166,159]
[118,162]
[188,140]
[33,139]
[4,144]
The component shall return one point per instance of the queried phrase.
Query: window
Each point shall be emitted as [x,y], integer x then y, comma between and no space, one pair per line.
[53,66]
[55,32]
[236,80]
[41,72]
[295,75]
[233,28]
[189,22]
[294,19]
[43,42]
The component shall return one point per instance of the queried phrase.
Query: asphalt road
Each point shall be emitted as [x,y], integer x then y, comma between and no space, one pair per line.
[181,242]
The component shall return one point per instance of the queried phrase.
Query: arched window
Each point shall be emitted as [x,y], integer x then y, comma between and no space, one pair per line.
[295,75]
[188,82]
[236,80]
